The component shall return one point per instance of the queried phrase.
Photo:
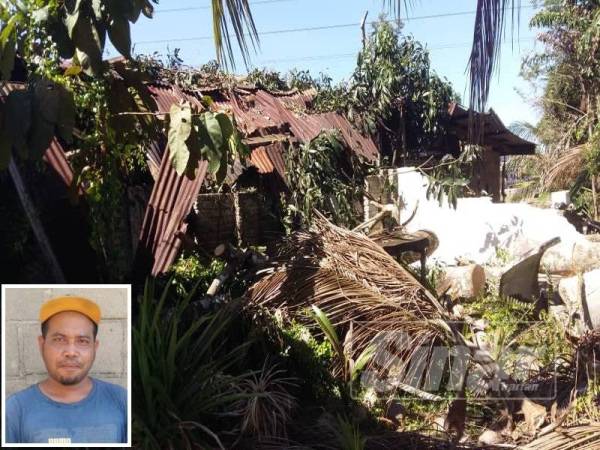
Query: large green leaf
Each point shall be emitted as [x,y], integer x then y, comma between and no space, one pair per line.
[97,7]
[47,100]
[17,119]
[88,36]
[225,124]
[120,36]
[213,141]
[60,35]
[8,48]
[180,128]
[213,127]
[71,16]
[40,136]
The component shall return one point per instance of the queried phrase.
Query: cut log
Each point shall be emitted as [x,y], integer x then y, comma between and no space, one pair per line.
[462,282]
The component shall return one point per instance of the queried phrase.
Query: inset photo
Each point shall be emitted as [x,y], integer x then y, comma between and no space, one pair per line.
[66,365]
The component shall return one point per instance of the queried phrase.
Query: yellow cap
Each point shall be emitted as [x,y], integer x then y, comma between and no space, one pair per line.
[78,304]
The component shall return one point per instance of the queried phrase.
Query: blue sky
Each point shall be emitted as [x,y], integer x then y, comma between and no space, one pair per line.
[186,24]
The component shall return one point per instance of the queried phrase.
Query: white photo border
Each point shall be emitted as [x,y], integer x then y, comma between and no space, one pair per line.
[129,356]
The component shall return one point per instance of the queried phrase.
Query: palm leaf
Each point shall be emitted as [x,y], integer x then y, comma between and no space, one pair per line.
[350,279]
[237,14]
[566,169]
[585,437]
[487,39]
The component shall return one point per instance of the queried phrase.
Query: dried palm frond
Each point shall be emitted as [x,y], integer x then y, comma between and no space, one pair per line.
[566,169]
[353,280]
[579,438]
[356,257]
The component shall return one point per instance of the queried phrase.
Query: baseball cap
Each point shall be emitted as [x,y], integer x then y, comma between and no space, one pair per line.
[78,304]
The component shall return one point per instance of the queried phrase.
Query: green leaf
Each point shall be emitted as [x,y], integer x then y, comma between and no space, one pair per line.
[328,330]
[147,9]
[362,361]
[60,35]
[66,115]
[180,128]
[72,71]
[221,172]
[120,36]
[226,126]
[88,38]
[97,9]
[40,136]
[47,100]
[8,49]
[17,119]
[71,17]
[213,126]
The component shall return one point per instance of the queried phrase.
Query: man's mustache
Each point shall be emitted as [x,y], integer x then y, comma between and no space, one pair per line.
[69,364]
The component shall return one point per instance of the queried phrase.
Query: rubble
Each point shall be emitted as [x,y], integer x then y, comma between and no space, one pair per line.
[581,295]
[478,230]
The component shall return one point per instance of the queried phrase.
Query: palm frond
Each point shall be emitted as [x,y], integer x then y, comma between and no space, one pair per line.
[487,39]
[353,280]
[525,130]
[581,438]
[566,168]
[237,14]
[396,6]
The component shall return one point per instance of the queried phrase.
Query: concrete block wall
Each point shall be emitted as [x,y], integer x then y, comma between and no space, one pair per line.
[216,219]
[24,365]
[224,218]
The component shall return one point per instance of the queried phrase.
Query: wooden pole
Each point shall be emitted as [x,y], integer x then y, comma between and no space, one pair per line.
[35,222]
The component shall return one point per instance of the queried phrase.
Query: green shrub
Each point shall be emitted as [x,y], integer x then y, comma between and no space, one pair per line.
[187,384]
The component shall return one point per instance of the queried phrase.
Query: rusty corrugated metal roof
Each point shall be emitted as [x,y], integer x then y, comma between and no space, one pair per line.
[262,116]
[495,134]
[170,202]
[172,195]
[261,160]
[265,118]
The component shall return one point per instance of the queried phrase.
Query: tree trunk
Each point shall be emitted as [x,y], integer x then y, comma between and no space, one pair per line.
[594,198]
[35,222]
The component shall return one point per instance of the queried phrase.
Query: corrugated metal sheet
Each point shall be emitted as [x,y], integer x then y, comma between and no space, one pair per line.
[361,145]
[495,134]
[261,160]
[306,127]
[166,96]
[170,202]
[275,152]
[270,117]
[172,195]
[54,155]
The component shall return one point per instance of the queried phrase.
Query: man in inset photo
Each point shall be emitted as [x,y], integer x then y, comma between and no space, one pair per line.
[68,406]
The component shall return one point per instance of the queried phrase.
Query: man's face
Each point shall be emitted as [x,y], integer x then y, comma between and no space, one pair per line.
[69,348]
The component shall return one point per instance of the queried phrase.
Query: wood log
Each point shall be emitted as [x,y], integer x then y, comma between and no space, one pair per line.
[462,282]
